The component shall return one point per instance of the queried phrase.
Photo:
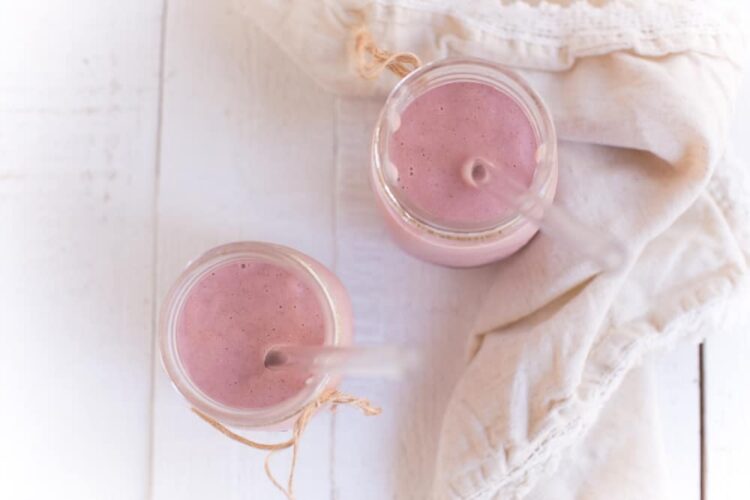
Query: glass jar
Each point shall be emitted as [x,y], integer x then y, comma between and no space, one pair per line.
[336,317]
[437,242]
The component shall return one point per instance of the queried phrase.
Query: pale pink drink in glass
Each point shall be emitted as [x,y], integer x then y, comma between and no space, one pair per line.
[228,309]
[435,120]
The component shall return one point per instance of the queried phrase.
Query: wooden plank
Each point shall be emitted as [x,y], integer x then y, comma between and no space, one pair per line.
[727,373]
[727,406]
[78,103]
[247,154]
[399,299]
[678,402]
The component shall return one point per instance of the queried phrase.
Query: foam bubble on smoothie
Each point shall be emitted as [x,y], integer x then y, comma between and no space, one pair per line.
[232,316]
[394,120]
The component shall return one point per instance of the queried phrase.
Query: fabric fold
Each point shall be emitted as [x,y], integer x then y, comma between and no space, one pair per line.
[546,36]
[580,330]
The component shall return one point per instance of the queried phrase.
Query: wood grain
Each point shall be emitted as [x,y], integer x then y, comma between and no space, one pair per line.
[247,154]
[78,101]
[397,299]
[726,371]
[727,407]
[679,419]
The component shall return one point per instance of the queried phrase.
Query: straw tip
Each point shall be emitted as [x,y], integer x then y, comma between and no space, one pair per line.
[476,172]
[274,359]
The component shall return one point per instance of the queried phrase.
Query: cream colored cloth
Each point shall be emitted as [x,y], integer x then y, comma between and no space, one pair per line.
[641,93]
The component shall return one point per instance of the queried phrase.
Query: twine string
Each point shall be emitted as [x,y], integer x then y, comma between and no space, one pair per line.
[330,396]
[372,60]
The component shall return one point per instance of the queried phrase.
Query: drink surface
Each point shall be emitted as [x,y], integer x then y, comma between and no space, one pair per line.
[439,132]
[231,317]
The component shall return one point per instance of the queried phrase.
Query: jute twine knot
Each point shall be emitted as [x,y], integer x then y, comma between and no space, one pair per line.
[330,396]
[372,60]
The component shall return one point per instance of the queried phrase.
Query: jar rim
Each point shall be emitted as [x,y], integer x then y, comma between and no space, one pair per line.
[172,308]
[465,69]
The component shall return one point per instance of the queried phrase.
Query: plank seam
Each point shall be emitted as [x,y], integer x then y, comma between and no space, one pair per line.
[155,248]
[335,265]
[702,417]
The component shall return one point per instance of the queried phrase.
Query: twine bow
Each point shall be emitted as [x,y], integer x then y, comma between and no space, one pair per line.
[330,396]
[372,60]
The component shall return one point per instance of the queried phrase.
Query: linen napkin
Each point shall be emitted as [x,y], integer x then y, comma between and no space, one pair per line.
[641,94]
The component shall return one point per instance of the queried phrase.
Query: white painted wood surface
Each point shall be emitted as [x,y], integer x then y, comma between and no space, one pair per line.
[106,191]
[78,102]
[726,360]
[727,416]
[678,392]
[240,125]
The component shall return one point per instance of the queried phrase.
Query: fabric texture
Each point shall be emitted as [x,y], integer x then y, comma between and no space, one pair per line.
[641,93]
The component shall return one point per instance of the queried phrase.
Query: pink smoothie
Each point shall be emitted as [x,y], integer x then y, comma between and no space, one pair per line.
[447,126]
[232,316]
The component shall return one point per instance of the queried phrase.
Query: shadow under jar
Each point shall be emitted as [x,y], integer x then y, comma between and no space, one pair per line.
[228,309]
[435,120]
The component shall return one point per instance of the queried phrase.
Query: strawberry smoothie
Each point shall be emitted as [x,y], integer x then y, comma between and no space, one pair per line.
[443,121]
[443,128]
[228,309]
[230,319]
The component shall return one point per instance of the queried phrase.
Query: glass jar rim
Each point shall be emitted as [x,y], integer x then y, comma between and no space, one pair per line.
[422,80]
[172,308]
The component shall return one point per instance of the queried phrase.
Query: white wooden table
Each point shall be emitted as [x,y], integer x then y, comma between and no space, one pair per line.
[132,138]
